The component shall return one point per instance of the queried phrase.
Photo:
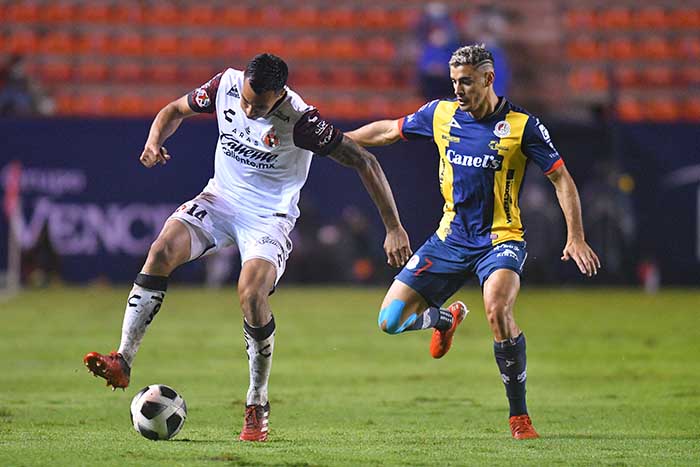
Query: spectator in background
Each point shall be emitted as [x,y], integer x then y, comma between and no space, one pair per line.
[19,95]
[438,36]
[489,25]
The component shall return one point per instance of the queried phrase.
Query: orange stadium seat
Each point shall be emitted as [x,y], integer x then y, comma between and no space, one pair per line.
[408,18]
[127,13]
[234,48]
[343,48]
[91,103]
[305,76]
[651,17]
[64,103]
[305,47]
[380,48]
[59,42]
[128,72]
[688,47]
[271,43]
[199,14]
[128,43]
[339,17]
[91,71]
[344,76]
[130,105]
[162,14]
[621,48]
[685,18]
[382,77]
[584,48]
[55,71]
[22,12]
[165,72]
[61,12]
[94,43]
[199,46]
[163,45]
[625,76]
[661,109]
[94,13]
[376,17]
[25,42]
[691,109]
[629,109]
[690,75]
[156,101]
[615,18]
[195,74]
[588,79]
[305,17]
[655,48]
[236,15]
[579,19]
[660,75]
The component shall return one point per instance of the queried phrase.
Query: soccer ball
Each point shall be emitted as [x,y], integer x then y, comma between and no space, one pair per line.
[158,412]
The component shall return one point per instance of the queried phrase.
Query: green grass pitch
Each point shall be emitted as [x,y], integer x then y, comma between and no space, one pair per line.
[613,379]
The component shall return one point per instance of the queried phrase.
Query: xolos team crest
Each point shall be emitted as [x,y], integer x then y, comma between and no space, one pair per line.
[270,139]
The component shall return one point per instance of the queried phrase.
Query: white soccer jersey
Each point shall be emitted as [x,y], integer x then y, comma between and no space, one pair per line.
[261,165]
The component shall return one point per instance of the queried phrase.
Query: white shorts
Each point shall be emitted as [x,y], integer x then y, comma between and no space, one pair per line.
[214,224]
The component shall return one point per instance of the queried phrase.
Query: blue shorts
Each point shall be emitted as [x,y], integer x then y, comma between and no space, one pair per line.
[438,269]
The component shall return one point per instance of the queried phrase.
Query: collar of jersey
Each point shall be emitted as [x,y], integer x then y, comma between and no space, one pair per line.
[502,101]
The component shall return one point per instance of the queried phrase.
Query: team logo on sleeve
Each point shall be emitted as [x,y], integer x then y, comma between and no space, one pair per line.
[502,129]
[270,139]
[201,98]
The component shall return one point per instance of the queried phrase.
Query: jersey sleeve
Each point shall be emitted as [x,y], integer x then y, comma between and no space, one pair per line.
[537,145]
[203,99]
[418,124]
[314,133]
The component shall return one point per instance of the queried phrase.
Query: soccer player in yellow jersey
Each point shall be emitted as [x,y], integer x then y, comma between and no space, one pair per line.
[485,144]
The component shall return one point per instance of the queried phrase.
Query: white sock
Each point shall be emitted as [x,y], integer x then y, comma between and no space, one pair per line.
[259,360]
[141,307]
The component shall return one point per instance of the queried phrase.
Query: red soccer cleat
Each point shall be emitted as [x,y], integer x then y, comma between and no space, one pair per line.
[111,367]
[521,427]
[255,423]
[442,340]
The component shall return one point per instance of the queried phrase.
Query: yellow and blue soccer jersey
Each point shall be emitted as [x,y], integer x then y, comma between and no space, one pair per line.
[482,166]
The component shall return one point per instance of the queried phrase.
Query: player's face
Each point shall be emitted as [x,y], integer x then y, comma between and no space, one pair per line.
[257,105]
[470,86]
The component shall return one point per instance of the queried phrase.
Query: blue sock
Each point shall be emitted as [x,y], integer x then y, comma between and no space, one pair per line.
[433,317]
[511,360]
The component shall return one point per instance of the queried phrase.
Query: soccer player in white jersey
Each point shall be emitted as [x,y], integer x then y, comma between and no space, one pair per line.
[267,137]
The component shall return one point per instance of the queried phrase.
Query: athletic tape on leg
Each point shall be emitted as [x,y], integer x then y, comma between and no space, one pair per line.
[390,317]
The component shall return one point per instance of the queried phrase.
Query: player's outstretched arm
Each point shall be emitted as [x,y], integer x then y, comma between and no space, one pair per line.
[379,133]
[396,244]
[164,125]
[576,247]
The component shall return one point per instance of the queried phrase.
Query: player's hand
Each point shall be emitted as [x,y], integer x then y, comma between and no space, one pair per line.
[583,255]
[397,247]
[152,155]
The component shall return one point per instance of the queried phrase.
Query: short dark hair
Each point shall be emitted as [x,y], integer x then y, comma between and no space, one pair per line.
[474,55]
[266,72]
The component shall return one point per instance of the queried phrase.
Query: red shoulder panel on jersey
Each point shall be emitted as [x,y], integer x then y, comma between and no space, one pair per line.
[203,99]
[401,128]
[555,166]
[315,134]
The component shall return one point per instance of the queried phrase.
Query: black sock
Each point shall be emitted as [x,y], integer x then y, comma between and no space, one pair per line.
[511,360]
[148,281]
[433,317]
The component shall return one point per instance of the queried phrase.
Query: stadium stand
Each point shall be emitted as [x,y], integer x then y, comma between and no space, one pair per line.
[341,54]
